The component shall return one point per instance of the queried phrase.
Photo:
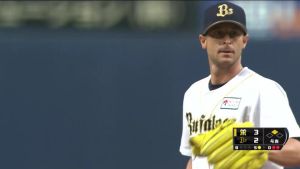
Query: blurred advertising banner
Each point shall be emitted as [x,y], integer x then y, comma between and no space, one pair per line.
[268,19]
[102,15]
[265,19]
[279,19]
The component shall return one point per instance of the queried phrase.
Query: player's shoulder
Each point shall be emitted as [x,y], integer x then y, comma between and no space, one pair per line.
[198,86]
[265,83]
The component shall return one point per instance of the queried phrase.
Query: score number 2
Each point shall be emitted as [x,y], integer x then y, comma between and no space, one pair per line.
[256,132]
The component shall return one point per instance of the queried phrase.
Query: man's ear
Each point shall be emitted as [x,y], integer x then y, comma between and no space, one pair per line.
[202,40]
[245,40]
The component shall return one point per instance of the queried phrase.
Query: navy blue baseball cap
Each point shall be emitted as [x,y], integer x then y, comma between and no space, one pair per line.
[224,12]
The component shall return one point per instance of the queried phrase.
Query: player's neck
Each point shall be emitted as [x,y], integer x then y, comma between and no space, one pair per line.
[222,76]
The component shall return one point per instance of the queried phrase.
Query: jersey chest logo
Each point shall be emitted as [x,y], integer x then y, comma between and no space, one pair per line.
[231,103]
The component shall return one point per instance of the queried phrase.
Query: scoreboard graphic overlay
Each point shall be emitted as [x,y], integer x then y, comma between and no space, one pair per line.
[259,138]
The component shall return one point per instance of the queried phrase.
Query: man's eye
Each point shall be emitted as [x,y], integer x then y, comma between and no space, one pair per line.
[220,34]
[233,34]
[217,34]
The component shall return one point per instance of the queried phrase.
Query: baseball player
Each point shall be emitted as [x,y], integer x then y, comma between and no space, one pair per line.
[231,95]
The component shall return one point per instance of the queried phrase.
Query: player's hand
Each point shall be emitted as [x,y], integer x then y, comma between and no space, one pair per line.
[217,145]
[204,144]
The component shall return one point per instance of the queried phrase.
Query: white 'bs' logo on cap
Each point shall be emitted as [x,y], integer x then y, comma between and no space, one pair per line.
[224,10]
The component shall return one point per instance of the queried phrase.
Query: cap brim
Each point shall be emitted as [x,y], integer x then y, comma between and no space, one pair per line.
[225,21]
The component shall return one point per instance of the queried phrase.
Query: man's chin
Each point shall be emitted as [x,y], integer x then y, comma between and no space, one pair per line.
[226,63]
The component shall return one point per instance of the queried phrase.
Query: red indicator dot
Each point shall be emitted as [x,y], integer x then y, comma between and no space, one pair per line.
[273,147]
[277,147]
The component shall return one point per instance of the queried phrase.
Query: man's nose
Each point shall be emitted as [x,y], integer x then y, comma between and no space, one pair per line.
[227,39]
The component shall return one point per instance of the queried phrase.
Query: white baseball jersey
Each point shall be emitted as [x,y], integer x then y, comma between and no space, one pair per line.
[247,97]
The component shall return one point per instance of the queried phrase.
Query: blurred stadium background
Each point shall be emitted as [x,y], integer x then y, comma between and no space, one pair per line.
[99,84]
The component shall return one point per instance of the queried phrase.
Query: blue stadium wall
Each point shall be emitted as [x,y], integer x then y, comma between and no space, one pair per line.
[99,100]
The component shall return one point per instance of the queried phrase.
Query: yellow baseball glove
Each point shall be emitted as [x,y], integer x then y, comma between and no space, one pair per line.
[217,145]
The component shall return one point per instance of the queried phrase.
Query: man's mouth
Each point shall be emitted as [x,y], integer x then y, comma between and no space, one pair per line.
[226,51]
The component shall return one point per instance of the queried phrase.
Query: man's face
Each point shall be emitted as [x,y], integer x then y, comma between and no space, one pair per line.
[224,44]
